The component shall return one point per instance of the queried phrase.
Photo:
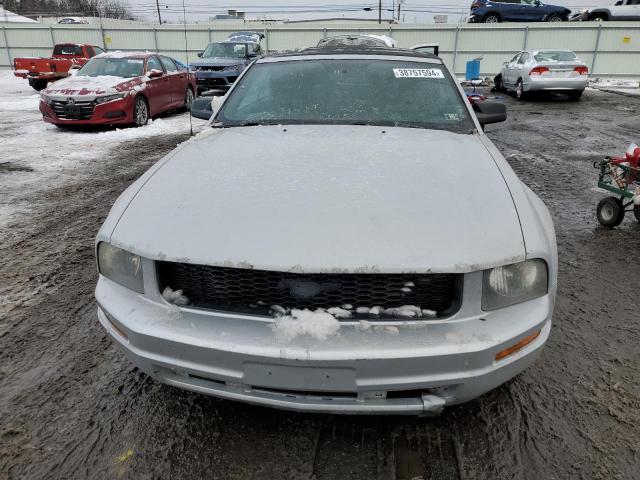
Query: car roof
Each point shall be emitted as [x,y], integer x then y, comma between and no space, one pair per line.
[121,54]
[357,50]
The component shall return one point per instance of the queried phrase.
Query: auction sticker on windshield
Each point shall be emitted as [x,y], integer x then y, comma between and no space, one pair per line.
[418,73]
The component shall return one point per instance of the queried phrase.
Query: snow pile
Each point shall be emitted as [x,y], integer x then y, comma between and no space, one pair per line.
[391,43]
[31,102]
[614,83]
[174,297]
[339,312]
[318,324]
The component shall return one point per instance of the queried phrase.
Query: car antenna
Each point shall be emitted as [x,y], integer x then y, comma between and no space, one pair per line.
[186,53]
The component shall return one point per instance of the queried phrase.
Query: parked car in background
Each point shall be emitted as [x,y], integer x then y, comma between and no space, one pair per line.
[219,269]
[618,11]
[221,63]
[543,70]
[357,41]
[66,56]
[496,11]
[118,88]
[72,21]
[433,48]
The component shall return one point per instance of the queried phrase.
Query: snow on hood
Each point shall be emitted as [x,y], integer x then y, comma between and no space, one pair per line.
[327,199]
[85,85]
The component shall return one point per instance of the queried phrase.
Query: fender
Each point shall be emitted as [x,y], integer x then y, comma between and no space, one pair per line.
[600,10]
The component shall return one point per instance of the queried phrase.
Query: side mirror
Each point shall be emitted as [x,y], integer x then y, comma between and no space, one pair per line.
[200,54]
[155,73]
[202,108]
[490,112]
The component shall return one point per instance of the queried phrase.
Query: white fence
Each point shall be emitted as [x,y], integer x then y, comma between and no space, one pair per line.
[609,48]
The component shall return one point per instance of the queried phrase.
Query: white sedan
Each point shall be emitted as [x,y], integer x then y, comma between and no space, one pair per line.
[543,70]
[345,238]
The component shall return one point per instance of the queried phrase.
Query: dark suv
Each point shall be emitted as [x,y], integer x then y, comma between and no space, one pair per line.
[491,11]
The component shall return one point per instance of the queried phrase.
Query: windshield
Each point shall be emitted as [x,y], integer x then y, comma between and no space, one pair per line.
[343,91]
[225,50]
[550,56]
[67,50]
[117,67]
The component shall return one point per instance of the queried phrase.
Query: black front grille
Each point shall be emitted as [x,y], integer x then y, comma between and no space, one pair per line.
[73,111]
[205,68]
[255,291]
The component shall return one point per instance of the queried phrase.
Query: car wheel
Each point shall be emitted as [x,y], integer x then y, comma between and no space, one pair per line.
[555,18]
[38,85]
[520,93]
[491,18]
[140,112]
[188,99]
[497,84]
[599,17]
[574,96]
[610,212]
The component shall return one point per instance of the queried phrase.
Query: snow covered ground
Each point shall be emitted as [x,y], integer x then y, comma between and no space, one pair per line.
[619,85]
[37,156]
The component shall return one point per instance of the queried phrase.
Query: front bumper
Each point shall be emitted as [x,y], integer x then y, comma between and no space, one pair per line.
[116,112]
[223,80]
[419,369]
[540,83]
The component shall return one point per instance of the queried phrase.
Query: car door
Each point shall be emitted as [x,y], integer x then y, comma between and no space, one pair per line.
[508,75]
[158,89]
[177,80]
[529,11]
[630,10]
[508,10]
[520,71]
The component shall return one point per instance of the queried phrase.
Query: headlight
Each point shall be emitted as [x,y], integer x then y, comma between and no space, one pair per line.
[46,99]
[516,283]
[120,266]
[110,98]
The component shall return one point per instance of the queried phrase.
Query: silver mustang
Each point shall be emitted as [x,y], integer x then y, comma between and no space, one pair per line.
[543,70]
[344,238]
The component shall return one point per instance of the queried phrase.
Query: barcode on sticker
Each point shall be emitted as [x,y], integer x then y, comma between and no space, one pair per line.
[418,73]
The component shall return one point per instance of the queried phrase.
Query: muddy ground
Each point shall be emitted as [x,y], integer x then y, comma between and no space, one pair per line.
[71,405]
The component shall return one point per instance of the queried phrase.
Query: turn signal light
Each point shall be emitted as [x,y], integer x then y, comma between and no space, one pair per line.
[581,70]
[538,70]
[518,346]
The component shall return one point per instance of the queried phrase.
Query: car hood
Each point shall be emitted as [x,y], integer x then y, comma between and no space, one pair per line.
[92,86]
[217,62]
[326,199]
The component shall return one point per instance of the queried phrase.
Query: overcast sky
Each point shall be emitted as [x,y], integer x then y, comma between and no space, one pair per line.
[411,10]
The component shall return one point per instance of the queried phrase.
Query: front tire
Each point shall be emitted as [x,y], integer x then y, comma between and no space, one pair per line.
[188,99]
[38,85]
[492,18]
[610,212]
[140,112]
[555,18]
[497,83]
[599,17]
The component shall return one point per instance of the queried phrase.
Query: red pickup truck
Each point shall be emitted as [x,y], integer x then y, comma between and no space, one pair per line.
[41,71]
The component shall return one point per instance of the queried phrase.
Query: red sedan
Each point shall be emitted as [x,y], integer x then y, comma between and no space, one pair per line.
[118,88]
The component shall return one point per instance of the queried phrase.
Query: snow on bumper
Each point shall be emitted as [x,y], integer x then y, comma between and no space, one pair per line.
[416,370]
[110,113]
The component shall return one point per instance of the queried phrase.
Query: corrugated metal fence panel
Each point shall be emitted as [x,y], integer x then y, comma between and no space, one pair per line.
[129,39]
[89,35]
[617,43]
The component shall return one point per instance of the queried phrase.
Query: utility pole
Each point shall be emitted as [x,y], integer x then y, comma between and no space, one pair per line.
[379,11]
[158,7]
[399,3]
